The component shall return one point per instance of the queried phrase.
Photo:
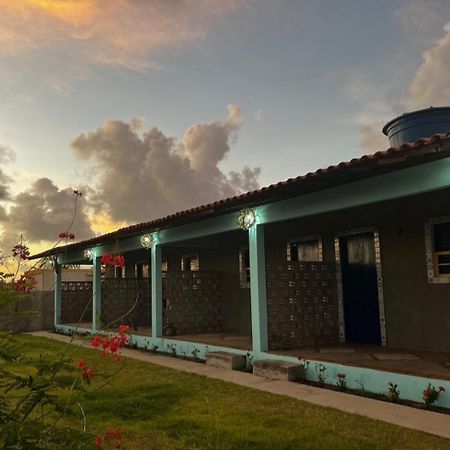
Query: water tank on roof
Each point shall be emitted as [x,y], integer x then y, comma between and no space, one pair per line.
[410,127]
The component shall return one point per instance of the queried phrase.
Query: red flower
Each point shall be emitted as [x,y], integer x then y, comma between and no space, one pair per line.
[441,389]
[123,328]
[96,341]
[98,443]
[81,363]
[119,261]
[25,283]
[20,250]
[426,393]
[87,372]
[106,259]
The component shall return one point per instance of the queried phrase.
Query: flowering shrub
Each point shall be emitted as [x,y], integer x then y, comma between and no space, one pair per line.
[86,372]
[20,251]
[304,364]
[431,394]
[320,371]
[25,283]
[393,394]
[341,382]
[111,439]
[112,344]
[113,260]
[66,235]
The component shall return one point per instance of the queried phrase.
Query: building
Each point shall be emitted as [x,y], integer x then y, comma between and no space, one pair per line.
[348,266]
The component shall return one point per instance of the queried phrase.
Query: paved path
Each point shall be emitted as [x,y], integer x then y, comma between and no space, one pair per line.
[405,416]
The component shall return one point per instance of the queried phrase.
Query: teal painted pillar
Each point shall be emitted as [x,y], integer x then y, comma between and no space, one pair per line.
[156,281]
[96,293]
[258,293]
[57,314]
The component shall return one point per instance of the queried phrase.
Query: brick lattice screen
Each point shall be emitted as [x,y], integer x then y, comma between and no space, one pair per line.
[75,295]
[302,305]
[192,302]
[118,297]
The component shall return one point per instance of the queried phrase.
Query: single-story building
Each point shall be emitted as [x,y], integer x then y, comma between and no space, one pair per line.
[348,265]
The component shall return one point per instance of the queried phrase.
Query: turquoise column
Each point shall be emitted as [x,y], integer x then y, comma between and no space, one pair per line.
[57,313]
[156,281]
[258,293]
[96,293]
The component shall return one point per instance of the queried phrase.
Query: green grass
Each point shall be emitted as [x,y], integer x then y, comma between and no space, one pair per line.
[160,408]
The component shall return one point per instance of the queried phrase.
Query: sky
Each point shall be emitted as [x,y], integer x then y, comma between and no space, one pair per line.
[153,106]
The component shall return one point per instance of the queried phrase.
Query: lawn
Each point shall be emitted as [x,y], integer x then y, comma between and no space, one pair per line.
[160,408]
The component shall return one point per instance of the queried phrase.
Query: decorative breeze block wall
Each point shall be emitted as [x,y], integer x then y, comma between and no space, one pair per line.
[75,295]
[302,305]
[192,303]
[118,297]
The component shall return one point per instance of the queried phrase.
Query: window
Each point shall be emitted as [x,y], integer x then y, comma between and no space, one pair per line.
[441,238]
[190,263]
[305,249]
[244,267]
[437,243]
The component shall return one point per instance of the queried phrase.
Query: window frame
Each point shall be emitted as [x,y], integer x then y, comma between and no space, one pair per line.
[190,256]
[433,275]
[305,238]
[244,272]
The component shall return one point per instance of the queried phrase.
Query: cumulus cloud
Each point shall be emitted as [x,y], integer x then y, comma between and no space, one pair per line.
[430,85]
[41,212]
[118,32]
[149,175]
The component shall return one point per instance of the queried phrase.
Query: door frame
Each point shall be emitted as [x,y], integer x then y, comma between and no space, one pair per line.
[340,291]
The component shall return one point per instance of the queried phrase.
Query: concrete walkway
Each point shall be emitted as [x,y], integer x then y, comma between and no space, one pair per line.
[404,416]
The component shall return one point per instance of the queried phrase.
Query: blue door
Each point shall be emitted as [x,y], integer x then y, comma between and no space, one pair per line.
[360,291]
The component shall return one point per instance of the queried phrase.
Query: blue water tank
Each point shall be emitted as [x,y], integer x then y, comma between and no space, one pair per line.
[410,127]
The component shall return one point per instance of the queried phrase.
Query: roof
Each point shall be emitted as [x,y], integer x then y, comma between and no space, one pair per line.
[394,158]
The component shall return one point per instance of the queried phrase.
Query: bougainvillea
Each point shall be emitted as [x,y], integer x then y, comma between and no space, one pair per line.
[86,372]
[66,235]
[109,260]
[20,251]
[111,439]
[25,283]
[112,344]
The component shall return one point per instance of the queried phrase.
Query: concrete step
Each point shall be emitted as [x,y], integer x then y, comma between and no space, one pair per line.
[277,370]
[226,360]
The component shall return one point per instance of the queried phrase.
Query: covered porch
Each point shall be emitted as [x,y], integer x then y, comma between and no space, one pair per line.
[261,234]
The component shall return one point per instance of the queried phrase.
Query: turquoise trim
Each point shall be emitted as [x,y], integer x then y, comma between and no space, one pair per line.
[96,293]
[376,381]
[57,312]
[258,295]
[156,295]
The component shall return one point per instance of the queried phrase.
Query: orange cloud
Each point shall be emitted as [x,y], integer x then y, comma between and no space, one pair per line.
[119,32]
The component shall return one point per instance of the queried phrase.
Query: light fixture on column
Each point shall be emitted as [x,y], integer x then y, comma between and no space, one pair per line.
[246,218]
[88,254]
[147,240]
[49,263]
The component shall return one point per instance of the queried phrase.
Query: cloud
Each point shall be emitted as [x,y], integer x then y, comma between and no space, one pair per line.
[41,212]
[259,115]
[430,85]
[113,32]
[149,175]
